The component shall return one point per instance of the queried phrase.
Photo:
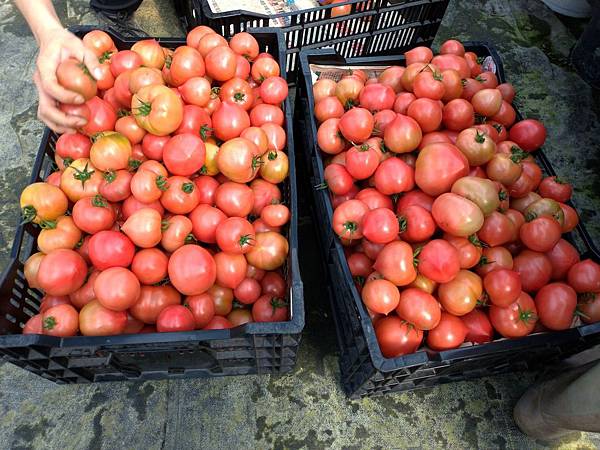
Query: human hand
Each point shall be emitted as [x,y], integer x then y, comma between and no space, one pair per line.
[56,46]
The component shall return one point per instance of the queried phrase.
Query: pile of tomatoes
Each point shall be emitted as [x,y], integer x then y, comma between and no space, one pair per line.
[449,227]
[165,213]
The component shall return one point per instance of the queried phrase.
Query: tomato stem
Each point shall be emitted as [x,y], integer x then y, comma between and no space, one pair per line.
[525,316]
[49,323]
[246,239]
[109,176]
[205,132]
[104,57]
[161,183]
[99,201]
[28,212]
[83,175]
[67,161]
[277,302]
[48,224]
[188,188]
[134,164]
[479,137]
[403,223]
[144,109]
[190,239]
[164,225]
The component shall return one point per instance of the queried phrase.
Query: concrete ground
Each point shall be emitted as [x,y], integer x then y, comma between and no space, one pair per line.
[306,408]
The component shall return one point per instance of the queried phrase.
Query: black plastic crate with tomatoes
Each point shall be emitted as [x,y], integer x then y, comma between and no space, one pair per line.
[353,28]
[414,160]
[223,348]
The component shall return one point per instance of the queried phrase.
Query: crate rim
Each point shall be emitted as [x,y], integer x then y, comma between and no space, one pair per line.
[425,355]
[291,327]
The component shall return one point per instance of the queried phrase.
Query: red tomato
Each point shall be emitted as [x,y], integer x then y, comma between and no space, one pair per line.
[458,114]
[235,235]
[416,224]
[583,276]
[403,101]
[535,270]
[269,252]
[202,308]
[487,102]
[479,328]
[469,254]
[33,325]
[263,113]
[438,166]
[102,117]
[457,215]
[396,337]
[71,75]
[110,249]
[85,293]
[248,291]
[143,227]
[439,261]
[61,272]
[220,63]
[556,303]
[380,296]
[540,234]
[49,301]
[450,333]
[460,295]
[192,270]
[157,109]
[60,320]
[497,230]
[73,146]
[151,53]
[218,323]
[273,90]
[152,300]
[175,318]
[234,199]
[427,113]
[93,214]
[418,54]
[348,218]
[181,196]
[380,225]
[264,68]
[272,283]
[402,135]
[186,63]
[231,269]
[556,189]
[529,134]
[516,320]
[117,288]
[205,221]
[503,286]
[184,154]
[395,263]
[588,306]
[123,61]
[153,146]
[394,176]
[275,215]
[239,160]
[229,120]
[361,161]
[150,265]
[419,308]
[452,61]
[562,257]
[452,46]
[96,320]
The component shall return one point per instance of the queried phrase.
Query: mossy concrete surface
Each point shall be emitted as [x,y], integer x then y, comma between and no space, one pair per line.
[305,408]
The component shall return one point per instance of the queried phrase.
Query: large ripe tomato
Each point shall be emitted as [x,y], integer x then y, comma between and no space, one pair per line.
[460,295]
[220,63]
[176,232]
[210,41]
[529,134]
[438,166]
[419,308]
[197,121]
[516,320]
[151,53]
[438,261]
[72,146]
[452,61]
[556,189]
[152,300]
[270,309]
[265,113]
[418,54]
[234,199]
[123,61]
[429,84]
[153,146]
[416,224]
[144,76]
[377,97]
[394,176]
[186,63]
[395,263]
[102,117]
[33,325]
[403,101]
[380,296]
[497,230]
[276,137]
[248,291]
[192,270]
[556,304]
[235,235]
[374,199]
[583,276]
[503,168]
[392,77]
[85,294]
[458,114]
[329,137]
[237,91]
[100,43]
[361,161]
[273,90]
[450,333]
[205,221]
[202,308]
[338,179]
[272,283]
[534,268]
[184,154]
[150,265]
[239,159]
[143,227]
[348,218]
[323,88]
[545,207]
[452,46]
[74,76]
[275,215]
[402,135]
[503,286]
[60,320]
[229,120]
[110,249]
[157,109]
[231,269]
[269,251]
[175,318]
[42,201]
[265,193]
[457,215]
[222,298]
[132,205]
[453,87]
[244,44]
[264,68]
[93,214]
[117,288]
[110,151]
[128,127]
[61,272]
[197,33]
[380,225]
[196,91]
[79,180]
[562,257]
[59,233]
[479,328]
[494,258]
[396,337]
[181,196]
[487,102]
[540,234]
[96,320]
[427,113]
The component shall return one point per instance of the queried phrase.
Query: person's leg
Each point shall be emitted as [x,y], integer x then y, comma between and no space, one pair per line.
[568,402]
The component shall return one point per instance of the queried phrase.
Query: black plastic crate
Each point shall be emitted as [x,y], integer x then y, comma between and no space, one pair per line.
[364,370]
[254,348]
[371,27]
